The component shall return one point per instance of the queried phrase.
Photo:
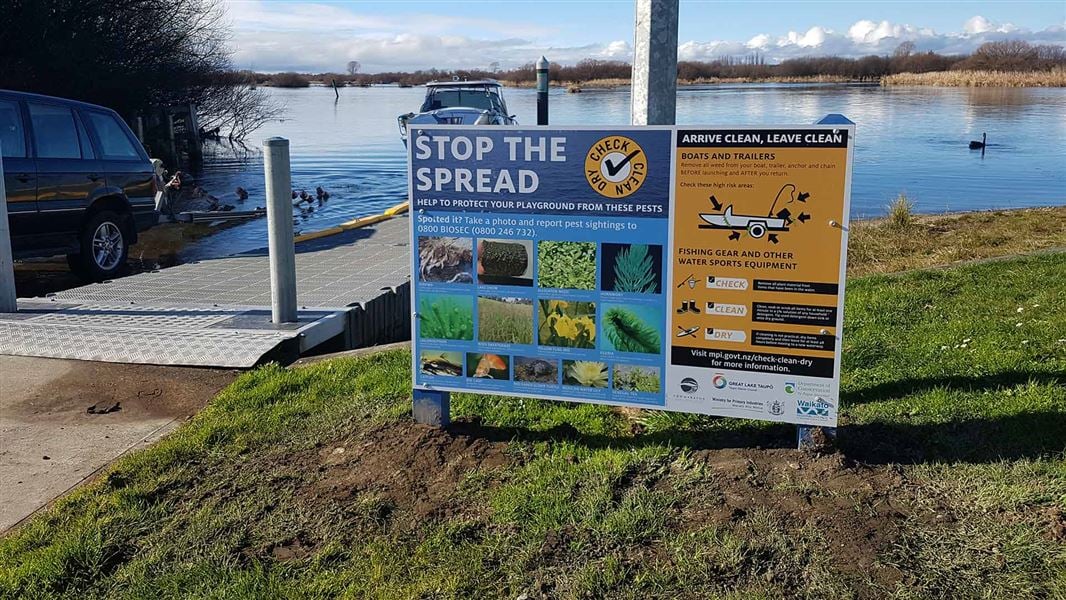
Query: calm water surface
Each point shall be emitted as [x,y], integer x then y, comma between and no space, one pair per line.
[909,139]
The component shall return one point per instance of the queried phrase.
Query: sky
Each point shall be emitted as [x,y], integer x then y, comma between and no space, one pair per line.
[322,36]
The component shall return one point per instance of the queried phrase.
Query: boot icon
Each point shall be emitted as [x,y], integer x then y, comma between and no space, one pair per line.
[688,306]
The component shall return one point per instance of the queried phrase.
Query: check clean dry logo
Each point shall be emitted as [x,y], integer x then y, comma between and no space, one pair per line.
[616,166]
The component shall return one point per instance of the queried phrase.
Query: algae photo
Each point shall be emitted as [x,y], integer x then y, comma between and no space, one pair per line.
[567,324]
[505,262]
[488,366]
[632,328]
[446,317]
[446,259]
[636,378]
[436,362]
[508,320]
[536,370]
[585,373]
[566,265]
[633,268]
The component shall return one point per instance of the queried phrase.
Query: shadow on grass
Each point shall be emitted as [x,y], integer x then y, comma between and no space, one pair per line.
[1025,435]
[906,387]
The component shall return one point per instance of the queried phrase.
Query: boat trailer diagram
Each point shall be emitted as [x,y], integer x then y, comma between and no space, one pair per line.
[757,226]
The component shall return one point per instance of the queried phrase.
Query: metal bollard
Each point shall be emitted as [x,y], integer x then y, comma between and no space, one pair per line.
[542,91]
[281,245]
[7,263]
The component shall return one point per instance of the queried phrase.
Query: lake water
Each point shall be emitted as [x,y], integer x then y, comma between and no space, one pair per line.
[909,139]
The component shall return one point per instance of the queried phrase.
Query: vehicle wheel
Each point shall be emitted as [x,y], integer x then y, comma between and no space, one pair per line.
[756,230]
[104,244]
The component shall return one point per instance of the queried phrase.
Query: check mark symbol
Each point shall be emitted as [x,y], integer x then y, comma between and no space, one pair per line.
[613,169]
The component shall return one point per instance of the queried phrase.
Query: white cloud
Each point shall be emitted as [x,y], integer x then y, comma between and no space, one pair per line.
[279,36]
[870,37]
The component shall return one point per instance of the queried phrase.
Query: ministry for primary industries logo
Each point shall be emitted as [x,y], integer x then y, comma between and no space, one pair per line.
[616,166]
[719,381]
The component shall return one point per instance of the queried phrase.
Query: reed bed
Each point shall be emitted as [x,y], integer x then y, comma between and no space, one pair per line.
[1052,78]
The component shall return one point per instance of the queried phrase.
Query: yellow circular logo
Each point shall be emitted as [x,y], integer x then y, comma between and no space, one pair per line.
[616,166]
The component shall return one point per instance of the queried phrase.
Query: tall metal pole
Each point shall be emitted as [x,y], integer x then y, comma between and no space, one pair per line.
[281,244]
[7,264]
[654,91]
[542,91]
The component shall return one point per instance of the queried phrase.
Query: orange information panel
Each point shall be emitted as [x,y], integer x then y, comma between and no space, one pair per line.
[758,256]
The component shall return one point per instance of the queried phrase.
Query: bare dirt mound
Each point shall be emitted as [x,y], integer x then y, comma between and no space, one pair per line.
[413,467]
[417,472]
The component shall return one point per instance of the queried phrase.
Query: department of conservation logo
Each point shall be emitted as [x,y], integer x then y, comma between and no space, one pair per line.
[790,388]
[689,385]
[616,166]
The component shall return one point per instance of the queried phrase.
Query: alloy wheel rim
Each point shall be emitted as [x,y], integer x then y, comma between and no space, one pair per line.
[107,245]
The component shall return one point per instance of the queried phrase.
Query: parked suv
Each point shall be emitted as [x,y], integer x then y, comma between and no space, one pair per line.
[78,182]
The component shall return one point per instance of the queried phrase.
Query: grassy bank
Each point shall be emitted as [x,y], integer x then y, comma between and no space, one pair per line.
[1052,78]
[312,482]
[910,241]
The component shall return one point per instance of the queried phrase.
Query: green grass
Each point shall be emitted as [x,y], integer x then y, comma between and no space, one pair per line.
[958,411]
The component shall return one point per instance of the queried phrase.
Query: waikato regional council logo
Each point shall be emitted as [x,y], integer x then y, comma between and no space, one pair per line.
[616,166]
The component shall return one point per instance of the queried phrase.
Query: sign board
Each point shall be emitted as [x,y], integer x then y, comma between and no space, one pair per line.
[696,270]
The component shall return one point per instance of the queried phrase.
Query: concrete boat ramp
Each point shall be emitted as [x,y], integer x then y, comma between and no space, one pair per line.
[353,289]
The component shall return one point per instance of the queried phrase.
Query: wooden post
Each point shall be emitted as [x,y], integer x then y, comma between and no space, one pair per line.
[335,92]
[192,124]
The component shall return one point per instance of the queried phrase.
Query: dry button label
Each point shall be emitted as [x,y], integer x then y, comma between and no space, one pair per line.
[726,283]
[725,335]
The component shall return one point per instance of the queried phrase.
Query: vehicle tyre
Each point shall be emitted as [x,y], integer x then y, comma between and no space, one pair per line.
[104,244]
[756,230]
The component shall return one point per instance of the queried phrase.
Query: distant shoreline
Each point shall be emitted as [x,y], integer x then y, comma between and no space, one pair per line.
[1053,78]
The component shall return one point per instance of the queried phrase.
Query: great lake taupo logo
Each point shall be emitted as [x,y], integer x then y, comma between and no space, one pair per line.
[616,166]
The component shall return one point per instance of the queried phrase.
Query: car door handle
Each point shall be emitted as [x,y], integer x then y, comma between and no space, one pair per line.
[94,177]
[23,178]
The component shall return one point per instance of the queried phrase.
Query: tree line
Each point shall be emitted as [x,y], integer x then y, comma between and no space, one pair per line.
[137,57]
[1008,55]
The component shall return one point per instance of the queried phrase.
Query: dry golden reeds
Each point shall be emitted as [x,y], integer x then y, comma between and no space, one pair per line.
[1052,78]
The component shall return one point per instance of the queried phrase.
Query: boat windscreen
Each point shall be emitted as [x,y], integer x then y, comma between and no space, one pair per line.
[470,98]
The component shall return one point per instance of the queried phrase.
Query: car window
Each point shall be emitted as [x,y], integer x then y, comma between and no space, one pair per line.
[54,131]
[114,143]
[12,137]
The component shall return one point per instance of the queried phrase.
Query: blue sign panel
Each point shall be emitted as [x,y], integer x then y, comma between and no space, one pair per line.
[538,262]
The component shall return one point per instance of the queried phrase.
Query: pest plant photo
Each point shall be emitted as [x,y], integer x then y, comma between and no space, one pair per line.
[632,328]
[566,265]
[446,259]
[632,268]
[567,324]
[635,378]
[446,317]
[506,320]
[585,373]
[505,262]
